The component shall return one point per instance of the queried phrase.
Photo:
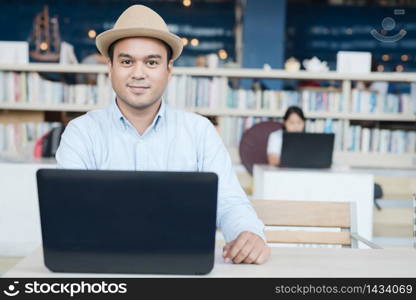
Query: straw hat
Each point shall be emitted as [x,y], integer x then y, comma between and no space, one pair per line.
[139,21]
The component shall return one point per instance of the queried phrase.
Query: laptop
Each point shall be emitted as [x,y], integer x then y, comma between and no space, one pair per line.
[128,221]
[307,150]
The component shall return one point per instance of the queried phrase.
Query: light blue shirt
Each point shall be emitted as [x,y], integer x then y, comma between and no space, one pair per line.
[103,139]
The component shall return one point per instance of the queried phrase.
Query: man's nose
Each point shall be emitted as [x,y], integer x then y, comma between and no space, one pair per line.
[139,71]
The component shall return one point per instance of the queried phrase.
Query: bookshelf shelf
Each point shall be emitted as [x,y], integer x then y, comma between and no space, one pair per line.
[218,112]
[376,160]
[311,115]
[380,117]
[233,73]
[48,107]
[53,68]
[301,75]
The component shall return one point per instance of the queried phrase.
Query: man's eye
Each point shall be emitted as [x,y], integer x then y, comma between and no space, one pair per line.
[126,62]
[152,63]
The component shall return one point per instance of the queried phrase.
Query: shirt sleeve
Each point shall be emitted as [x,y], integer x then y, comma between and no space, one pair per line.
[74,151]
[274,143]
[235,213]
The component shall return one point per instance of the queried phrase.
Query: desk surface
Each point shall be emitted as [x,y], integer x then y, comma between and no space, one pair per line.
[285,262]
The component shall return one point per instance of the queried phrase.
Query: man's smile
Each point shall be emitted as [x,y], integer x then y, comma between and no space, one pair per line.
[138,89]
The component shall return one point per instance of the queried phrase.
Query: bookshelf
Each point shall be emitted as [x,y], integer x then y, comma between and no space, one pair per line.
[253,110]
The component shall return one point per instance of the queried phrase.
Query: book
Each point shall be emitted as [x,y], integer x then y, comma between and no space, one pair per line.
[365,101]
[14,52]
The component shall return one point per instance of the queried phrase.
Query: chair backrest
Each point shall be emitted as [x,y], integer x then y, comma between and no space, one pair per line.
[253,144]
[306,214]
[49,143]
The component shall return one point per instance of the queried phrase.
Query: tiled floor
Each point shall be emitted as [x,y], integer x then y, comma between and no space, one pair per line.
[393,223]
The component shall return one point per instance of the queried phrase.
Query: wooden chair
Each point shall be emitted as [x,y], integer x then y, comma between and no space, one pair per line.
[310,215]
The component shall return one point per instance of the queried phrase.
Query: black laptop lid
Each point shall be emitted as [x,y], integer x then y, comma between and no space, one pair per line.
[127,221]
[307,150]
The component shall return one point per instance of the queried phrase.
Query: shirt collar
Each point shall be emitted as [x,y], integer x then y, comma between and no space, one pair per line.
[159,116]
[123,122]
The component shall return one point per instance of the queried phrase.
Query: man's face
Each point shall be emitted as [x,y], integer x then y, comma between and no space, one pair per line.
[139,71]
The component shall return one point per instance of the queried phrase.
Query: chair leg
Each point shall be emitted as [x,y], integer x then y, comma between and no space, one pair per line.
[378,193]
[377,205]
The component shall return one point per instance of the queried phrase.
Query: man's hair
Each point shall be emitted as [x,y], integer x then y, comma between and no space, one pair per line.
[111,50]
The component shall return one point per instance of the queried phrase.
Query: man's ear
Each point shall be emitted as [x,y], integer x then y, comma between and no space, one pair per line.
[109,67]
[170,68]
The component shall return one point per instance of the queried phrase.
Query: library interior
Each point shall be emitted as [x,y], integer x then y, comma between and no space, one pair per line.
[313,110]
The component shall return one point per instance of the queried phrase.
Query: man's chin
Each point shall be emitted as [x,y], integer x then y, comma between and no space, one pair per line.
[142,105]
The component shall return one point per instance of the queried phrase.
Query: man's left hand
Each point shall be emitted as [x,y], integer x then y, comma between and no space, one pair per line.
[247,248]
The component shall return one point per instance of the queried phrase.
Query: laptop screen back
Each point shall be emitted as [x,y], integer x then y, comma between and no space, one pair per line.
[127,221]
[307,150]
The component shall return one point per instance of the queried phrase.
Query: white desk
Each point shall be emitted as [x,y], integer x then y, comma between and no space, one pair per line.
[285,262]
[271,183]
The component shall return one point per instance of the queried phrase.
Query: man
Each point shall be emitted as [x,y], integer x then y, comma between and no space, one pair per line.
[138,131]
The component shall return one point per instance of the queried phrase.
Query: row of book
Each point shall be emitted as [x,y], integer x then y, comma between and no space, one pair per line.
[377,140]
[364,101]
[189,92]
[31,88]
[214,92]
[201,92]
[20,138]
[352,138]
[273,100]
[355,138]
[232,128]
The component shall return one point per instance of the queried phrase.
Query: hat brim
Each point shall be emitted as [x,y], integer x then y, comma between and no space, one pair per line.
[106,38]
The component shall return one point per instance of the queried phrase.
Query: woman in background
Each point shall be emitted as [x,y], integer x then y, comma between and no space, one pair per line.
[293,121]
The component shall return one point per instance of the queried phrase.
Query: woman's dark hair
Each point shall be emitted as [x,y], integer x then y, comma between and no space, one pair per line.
[294,110]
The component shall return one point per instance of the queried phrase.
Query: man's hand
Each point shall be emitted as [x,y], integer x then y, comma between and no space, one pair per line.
[247,248]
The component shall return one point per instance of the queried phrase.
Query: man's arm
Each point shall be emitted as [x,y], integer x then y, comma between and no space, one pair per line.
[74,151]
[239,223]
